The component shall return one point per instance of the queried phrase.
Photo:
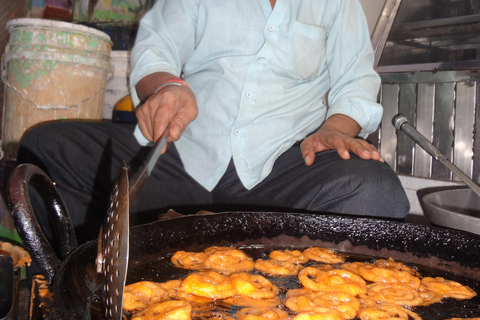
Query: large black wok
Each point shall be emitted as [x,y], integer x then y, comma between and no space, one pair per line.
[76,287]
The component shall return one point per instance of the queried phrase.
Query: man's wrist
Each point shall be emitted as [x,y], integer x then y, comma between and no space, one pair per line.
[342,123]
[172,82]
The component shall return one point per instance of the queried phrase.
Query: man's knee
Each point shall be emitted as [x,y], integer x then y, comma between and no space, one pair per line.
[361,188]
[380,191]
[32,142]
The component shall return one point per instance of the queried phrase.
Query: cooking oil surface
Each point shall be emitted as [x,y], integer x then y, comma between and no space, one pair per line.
[162,270]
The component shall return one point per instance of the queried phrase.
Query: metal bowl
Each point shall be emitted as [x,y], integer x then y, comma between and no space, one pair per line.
[453,208]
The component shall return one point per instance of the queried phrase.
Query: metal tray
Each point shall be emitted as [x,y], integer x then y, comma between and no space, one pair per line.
[453,208]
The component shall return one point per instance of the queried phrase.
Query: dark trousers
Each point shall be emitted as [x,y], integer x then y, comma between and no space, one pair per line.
[84,158]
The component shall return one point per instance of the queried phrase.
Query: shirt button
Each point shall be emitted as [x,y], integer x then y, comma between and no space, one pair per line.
[261,60]
[248,94]
[237,132]
[271,28]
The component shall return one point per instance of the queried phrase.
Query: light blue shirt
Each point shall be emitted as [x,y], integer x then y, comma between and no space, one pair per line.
[260,76]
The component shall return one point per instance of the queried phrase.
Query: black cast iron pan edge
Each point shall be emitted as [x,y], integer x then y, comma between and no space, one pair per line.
[429,246]
[76,288]
[25,220]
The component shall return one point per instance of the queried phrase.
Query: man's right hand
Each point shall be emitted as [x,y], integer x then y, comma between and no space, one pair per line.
[174,105]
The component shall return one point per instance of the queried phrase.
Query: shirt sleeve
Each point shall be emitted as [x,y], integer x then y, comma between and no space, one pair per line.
[164,41]
[350,57]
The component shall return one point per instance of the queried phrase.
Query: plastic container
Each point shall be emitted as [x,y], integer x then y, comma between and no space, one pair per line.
[52,70]
[118,87]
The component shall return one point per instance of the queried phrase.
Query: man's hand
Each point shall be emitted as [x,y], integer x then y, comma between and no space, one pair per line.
[338,132]
[174,105]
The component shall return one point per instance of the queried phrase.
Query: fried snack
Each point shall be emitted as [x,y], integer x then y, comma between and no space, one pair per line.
[354,266]
[333,315]
[227,261]
[323,255]
[396,293]
[214,315]
[319,302]
[448,288]
[299,292]
[175,291]
[171,287]
[336,280]
[167,310]
[322,267]
[259,313]
[210,312]
[139,295]
[429,297]
[386,312]
[301,303]
[330,290]
[390,263]
[211,250]
[277,268]
[253,291]
[373,273]
[179,294]
[253,286]
[189,260]
[293,256]
[244,301]
[193,298]
[208,284]
[20,256]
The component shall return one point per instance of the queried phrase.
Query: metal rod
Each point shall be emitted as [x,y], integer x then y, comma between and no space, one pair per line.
[401,123]
[140,177]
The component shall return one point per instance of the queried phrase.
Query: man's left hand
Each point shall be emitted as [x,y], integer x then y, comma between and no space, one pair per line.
[338,132]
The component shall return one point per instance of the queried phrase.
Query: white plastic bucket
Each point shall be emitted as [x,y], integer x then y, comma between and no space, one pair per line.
[52,71]
[118,87]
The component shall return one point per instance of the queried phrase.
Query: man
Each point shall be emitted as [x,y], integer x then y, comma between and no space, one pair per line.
[242,87]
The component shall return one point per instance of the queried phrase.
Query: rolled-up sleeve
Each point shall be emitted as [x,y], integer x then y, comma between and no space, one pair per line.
[354,82]
[164,42]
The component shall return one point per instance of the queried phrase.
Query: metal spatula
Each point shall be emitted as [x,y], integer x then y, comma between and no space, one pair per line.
[113,240]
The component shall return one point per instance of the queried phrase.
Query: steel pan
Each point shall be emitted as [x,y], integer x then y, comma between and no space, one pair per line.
[453,208]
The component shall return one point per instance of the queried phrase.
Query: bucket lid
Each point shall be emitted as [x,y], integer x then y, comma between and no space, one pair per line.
[53,24]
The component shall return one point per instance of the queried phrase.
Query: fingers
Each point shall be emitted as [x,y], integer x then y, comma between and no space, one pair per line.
[318,143]
[167,104]
[148,119]
[344,145]
[365,150]
[174,106]
[182,118]
[308,157]
[145,125]
[309,147]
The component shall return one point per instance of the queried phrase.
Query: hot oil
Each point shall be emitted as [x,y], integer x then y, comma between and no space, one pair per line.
[162,270]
